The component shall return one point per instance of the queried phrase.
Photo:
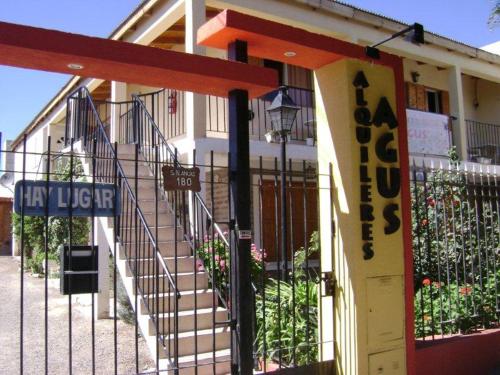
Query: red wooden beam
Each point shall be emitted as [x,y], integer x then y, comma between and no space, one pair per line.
[272,40]
[50,50]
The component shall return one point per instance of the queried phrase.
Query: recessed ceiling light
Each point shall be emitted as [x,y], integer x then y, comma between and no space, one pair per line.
[75,66]
[290,54]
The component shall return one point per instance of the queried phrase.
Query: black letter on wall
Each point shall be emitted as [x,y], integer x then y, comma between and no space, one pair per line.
[388,189]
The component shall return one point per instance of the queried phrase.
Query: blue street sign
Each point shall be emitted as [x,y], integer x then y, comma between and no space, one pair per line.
[105,203]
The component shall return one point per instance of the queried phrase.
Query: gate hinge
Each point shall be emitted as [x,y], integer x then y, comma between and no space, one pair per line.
[330,283]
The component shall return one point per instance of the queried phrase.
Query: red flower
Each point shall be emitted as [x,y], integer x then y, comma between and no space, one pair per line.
[465,290]
[431,202]
[258,254]
[222,265]
[426,282]
[199,265]
[424,222]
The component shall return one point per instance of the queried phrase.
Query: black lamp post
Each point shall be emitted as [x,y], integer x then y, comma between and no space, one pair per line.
[282,112]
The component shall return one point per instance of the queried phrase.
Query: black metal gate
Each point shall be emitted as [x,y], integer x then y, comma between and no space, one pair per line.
[169,256]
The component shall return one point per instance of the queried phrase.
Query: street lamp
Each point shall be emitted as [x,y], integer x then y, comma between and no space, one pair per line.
[282,112]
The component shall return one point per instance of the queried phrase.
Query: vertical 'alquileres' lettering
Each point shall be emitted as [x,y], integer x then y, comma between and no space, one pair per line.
[387,177]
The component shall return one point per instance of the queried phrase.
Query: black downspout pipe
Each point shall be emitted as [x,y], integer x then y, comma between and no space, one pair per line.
[241,309]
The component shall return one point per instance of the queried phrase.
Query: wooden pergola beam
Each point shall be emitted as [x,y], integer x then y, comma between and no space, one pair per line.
[54,51]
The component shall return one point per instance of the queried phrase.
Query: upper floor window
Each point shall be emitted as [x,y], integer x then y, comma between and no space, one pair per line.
[427,99]
[433,101]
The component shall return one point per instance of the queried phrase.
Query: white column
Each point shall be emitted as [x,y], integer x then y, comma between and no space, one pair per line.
[118,94]
[195,103]
[102,298]
[457,110]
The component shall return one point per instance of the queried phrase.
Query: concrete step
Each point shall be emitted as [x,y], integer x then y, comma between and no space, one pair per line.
[164,219]
[204,363]
[127,162]
[146,190]
[167,249]
[166,301]
[184,282]
[184,264]
[204,320]
[148,205]
[126,148]
[165,233]
[204,340]
[145,186]
[142,171]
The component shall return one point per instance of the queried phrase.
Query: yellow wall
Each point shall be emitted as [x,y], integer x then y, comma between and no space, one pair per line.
[487,94]
[369,299]
[430,75]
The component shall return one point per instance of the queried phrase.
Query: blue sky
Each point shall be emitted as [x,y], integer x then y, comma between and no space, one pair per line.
[23,92]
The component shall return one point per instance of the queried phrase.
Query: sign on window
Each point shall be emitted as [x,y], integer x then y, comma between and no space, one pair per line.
[428,133]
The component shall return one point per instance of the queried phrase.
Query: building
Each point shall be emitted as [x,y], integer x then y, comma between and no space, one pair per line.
[451,99]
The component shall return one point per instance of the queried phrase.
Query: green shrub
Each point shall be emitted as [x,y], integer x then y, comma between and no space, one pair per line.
[298,299]
[450,308]
[36,262]
[124,308]
[213,256]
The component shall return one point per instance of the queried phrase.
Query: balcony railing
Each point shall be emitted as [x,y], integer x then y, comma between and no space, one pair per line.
[483,142]
[304,128]
[167,107]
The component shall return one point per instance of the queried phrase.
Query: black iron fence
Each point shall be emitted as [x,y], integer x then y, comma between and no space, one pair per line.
[154,287]
[456,249]
[172,250]
[483,142]
[58,335]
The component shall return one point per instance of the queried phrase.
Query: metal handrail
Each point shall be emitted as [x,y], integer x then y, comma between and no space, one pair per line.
[199,199]
[176,162]
[129,189]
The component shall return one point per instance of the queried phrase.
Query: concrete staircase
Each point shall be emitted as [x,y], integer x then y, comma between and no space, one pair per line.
[198,306]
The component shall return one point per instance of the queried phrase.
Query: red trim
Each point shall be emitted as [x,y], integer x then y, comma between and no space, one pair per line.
[406,216]
[50,50]
[268,39]
[478,353]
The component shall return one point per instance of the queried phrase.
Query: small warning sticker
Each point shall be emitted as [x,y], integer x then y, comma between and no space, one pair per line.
[245,234]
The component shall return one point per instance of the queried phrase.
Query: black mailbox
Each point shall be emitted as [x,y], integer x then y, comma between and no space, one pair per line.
[82,276]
